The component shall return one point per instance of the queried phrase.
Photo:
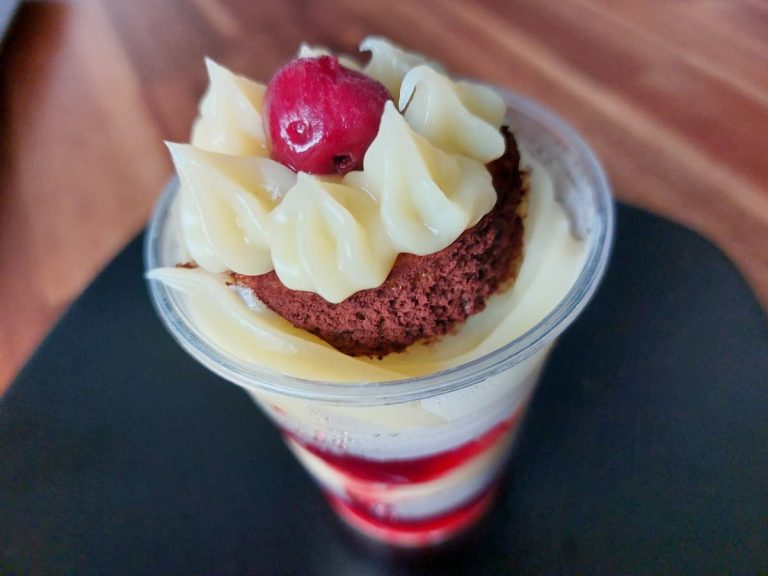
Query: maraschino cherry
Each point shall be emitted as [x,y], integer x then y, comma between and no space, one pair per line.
[321,116]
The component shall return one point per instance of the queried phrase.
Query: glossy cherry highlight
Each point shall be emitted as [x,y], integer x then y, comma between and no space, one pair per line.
[321,117]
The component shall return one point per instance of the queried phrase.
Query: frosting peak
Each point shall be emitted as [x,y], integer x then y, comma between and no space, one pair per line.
[230,115]
[427,197]
[307,51]
[389,64]
[226,201]
[327,238]
[459,117]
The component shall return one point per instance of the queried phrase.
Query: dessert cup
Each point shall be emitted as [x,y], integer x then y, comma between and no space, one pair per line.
[413,462]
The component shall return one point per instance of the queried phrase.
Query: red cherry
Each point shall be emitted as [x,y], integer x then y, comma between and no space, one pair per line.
[321,117]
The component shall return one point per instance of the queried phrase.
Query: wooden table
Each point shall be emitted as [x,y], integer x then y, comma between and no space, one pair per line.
[672,95]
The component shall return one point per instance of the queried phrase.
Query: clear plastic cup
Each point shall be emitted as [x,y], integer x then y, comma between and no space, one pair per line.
[414,462]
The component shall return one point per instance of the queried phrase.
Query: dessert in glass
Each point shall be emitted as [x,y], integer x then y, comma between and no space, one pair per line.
[383,258]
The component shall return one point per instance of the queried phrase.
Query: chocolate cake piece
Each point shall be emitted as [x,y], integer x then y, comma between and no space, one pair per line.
[424,297]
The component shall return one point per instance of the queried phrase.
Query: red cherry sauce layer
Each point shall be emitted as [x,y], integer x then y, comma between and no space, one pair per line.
[422,532]
[414,470]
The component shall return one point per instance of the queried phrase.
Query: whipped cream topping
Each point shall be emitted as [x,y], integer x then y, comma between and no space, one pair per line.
[329,238]
[230,118]
[427,197]
[389,64]
[307,51]
[226,203]
[458,117]
[423,181]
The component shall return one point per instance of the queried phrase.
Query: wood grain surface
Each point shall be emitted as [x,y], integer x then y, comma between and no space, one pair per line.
[672,95]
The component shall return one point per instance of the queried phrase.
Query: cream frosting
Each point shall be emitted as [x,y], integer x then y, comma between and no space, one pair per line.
[226,203]
[307,51]
[329,238]
[427,197]
[229,122]
[423,182]
[389,63]
[458,117]
[230,118]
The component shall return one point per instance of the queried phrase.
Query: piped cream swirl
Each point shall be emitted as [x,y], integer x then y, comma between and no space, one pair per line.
[226,207]
[328,238]
[307,51]
[230,118]
[427,197]
[389,63]
[459,117]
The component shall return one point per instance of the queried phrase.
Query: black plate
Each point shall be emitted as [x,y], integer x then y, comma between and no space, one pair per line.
[646,449]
